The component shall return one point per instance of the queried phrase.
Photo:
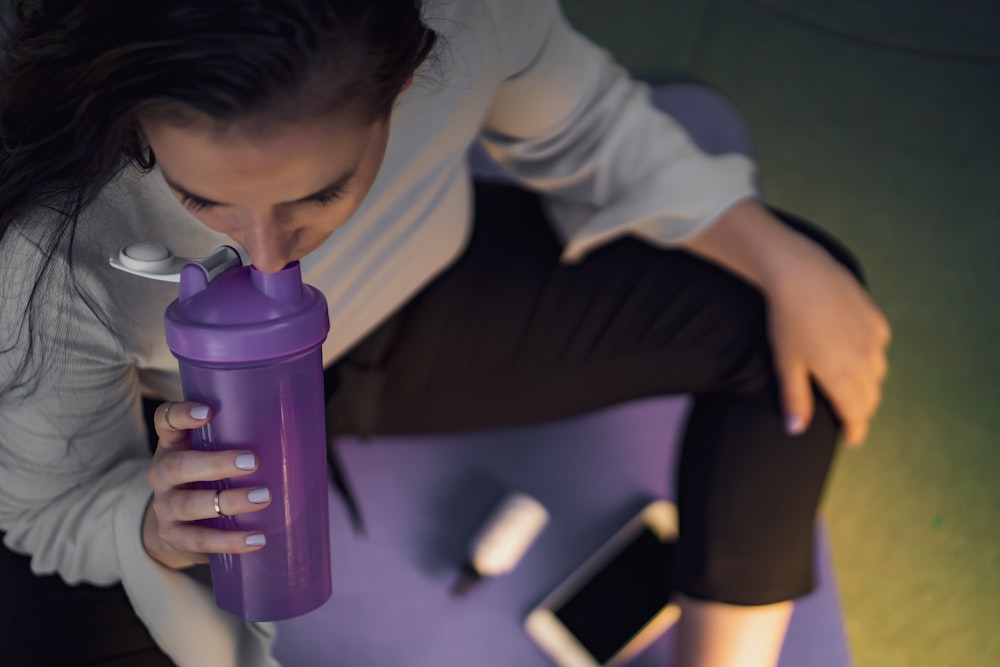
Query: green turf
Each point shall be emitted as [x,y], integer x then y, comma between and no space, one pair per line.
[897,153]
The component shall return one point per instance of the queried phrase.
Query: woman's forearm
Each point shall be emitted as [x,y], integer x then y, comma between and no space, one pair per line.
[750,242]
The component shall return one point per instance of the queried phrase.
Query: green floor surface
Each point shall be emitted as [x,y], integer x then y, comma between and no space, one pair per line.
[898,153]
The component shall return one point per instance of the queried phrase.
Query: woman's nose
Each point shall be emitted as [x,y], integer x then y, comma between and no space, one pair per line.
[269,243]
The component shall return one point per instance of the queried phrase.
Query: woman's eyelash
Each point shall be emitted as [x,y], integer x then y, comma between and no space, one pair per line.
[325,199]
[196,204]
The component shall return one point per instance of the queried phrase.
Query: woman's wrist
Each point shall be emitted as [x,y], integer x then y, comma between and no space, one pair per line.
[749,241]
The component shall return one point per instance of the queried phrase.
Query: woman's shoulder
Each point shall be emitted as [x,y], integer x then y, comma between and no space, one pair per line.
[56,272]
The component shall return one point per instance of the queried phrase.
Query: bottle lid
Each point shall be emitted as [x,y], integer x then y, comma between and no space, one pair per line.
[244,315]
[467,579]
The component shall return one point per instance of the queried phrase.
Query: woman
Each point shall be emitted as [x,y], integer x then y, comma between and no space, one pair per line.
[335,133]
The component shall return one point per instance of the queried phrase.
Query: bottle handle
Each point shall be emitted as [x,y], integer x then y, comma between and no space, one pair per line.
[156,261]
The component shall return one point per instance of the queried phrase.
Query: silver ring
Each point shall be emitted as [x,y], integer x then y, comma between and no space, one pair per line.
[218,507]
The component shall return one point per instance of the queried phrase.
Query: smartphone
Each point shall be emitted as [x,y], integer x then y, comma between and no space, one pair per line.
[618,602]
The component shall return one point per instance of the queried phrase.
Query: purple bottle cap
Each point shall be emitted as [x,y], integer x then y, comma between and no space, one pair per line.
[245,315]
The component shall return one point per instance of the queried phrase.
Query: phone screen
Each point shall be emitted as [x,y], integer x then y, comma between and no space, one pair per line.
[621,598]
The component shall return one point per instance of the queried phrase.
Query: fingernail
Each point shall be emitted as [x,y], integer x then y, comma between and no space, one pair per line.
[199,411]
[255,540]
[259,496]
[794,425]
[246,461]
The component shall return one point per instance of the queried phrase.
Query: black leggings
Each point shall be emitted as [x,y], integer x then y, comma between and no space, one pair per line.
[509,336]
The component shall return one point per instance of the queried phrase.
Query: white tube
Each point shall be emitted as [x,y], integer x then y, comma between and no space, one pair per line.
[503,540]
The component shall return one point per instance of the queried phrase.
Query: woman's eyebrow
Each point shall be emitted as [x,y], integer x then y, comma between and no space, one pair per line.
[336,185]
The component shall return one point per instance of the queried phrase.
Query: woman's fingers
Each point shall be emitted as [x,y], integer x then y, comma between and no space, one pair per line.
[170,530]
[855,394]
[186,505]
[883,330]
[880,365]
[796,394]
[175,467]
[200,541]
[852,380]
[172,420]
[855,417]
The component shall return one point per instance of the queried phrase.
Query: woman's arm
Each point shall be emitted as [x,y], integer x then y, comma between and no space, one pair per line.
[73,469]
[73,440]
[570,122]
[823,325]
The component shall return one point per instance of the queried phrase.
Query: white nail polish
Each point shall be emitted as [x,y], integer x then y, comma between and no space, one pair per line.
[199,411]
[255,540]
[246,461]
[794,425]
[259,496]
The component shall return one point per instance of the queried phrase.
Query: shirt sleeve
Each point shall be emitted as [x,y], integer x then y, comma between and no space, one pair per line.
[571,123]
[70,434]
[73,460]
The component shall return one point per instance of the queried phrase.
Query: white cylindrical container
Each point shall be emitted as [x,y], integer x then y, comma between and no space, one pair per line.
[503,540]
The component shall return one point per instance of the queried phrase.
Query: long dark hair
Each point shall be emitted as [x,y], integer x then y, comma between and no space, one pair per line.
[76,74]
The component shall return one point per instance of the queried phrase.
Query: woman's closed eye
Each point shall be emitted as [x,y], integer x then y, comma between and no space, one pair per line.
[320,199]
[196,204]
[327,198]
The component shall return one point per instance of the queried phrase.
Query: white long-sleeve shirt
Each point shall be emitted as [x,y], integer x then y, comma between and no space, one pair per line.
[547,104]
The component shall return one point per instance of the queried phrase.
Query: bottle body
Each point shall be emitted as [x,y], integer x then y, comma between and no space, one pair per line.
[275,409]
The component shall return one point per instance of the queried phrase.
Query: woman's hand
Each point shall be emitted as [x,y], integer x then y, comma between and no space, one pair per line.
[171,531]
[823,325]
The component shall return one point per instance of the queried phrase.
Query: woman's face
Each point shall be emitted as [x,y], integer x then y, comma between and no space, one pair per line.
[281,195]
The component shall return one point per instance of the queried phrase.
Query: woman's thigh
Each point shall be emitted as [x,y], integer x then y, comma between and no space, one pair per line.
[509,336]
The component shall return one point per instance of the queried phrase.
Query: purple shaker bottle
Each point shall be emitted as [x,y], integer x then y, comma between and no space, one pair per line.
[249,346]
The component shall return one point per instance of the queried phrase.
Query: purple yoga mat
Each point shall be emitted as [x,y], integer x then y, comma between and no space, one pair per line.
[423,498]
